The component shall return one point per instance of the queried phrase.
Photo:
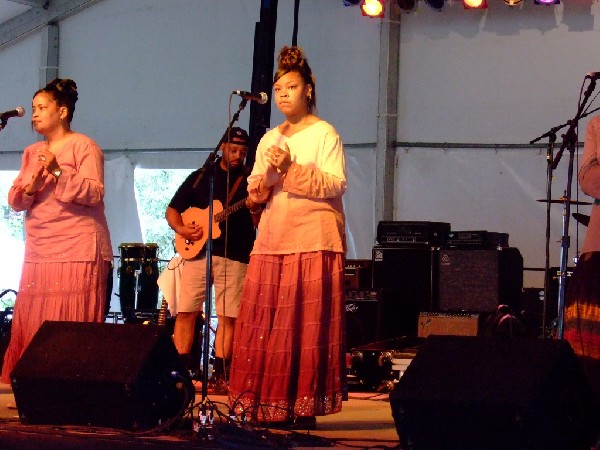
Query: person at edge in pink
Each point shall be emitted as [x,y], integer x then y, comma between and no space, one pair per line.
[68,253]
[288,356]
[582,304]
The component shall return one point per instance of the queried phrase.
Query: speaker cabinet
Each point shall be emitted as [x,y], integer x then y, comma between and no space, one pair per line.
[362,317]
[407,277]
[464,392]
[99,374]
[480,280]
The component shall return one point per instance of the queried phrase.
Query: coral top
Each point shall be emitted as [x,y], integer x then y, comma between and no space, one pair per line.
[65,219]
[304,211]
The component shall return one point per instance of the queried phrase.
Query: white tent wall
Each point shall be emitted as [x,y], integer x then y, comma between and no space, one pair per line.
[154,77]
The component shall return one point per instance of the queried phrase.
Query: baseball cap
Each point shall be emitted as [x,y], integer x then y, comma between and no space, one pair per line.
[238,136]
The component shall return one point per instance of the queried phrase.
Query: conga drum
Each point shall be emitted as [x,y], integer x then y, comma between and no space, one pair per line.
[138,275]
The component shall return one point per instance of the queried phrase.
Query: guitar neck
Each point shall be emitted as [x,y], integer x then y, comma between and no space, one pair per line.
[219,217]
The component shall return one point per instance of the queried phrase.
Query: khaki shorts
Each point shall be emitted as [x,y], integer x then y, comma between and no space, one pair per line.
[228,280]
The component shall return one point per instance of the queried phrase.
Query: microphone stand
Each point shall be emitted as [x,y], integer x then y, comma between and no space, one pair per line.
[551,135]
[210,165]
[211,158]
[570,142]
[549,171]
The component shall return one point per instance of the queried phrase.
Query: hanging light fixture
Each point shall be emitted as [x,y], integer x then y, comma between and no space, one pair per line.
[475,4]
[435,4]
[512,3]
[546,2]
[372,8]
[407,6]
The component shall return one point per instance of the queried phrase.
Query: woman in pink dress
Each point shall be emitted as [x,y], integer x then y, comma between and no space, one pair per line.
[68,253]
[288,359]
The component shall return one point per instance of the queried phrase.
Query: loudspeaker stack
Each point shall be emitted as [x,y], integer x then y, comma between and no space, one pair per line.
[459,277]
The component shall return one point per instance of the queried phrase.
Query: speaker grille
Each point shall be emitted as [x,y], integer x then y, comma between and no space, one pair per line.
[479,280]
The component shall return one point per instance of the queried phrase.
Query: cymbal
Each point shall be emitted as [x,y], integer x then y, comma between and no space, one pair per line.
[563,200]
[582,219]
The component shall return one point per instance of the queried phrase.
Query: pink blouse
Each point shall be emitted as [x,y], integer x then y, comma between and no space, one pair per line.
[64,220]
[304,211]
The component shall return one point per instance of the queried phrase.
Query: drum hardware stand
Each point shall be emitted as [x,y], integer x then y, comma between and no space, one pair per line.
[210,164]
[569,142]
[549,157]
[136,275]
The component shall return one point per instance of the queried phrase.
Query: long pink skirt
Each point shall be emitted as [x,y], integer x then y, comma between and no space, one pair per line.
[288,350]
[65,291]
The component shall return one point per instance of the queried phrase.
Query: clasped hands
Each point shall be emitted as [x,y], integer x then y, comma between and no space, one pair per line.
[46,163]
[279,161]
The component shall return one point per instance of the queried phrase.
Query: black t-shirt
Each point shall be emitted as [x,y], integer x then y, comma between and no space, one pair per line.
[240,228]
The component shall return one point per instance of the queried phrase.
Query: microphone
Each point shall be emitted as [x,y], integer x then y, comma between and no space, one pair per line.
[593,75]
[19,111]
[261,98]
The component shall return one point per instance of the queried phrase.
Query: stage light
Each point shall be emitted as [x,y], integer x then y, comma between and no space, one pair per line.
[372,8]
[407,6]
[512,2]
[546,2]
[435,4]
[351,2]
[475,4]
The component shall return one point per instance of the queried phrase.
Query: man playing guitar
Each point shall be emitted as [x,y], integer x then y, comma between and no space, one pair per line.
[233,237]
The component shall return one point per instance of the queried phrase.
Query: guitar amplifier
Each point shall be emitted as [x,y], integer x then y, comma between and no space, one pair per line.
[406,233]
[477,239]
[459,324]
[362,316]
[357,274]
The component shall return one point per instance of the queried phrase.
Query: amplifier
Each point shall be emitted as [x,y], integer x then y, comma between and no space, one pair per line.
[362,316]
[357,274]
[478,280]
[459,324]
[400,233]
[477,239]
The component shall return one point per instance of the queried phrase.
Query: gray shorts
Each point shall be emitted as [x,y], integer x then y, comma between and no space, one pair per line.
[227,280]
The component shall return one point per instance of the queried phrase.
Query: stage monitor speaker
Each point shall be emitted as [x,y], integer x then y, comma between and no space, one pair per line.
[467,393]
[362,317]
[480,280]
[407,277]
[100,374]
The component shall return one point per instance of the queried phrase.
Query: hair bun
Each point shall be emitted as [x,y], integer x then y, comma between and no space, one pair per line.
[290,57]
[66,87]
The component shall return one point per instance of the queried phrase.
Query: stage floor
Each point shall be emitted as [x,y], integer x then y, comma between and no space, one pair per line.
[364,422]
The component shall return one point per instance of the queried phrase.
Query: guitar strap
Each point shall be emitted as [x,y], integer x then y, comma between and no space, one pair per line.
[233,189]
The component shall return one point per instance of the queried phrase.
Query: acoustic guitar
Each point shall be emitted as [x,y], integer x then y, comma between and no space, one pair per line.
[198,216]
